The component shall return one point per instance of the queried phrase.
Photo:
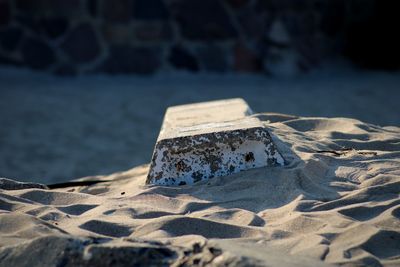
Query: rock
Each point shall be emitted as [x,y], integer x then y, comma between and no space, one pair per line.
[10,38]
[253,23]
[246,60]
[127,59]
[282,62]
[117,10]
[68,251]
[180,58]
[150,10]
[237,3]
[70,8]
[263,5]
[213,58]
[81,44]
[205,140]
[29,22]
[117,33]
[54,27]
[278,33]
[4,13]
[36,53]
[203,20]
[72,251]
[153,31]
[92,7]
[8,184]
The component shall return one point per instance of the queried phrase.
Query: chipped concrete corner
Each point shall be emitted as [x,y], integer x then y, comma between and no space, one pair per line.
[205,140]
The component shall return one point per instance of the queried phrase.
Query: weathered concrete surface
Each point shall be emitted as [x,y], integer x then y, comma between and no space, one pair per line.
[204,140]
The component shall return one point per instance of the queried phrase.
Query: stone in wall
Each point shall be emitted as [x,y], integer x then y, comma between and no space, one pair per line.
[117,33]
[47,26]
[305,38]
[117,10]
[10,38]
[181,58]
[282,62]
[315,30]
[212,58]
[128,59]
[282,59]
[278,34]
[92,7]
[81,44]
[29,23]
[4,12]
[153,31]
[253,23]
[54,27]
[150,10]
[69,8]
[203,20]
[36,53]
[237,3]
[245,59]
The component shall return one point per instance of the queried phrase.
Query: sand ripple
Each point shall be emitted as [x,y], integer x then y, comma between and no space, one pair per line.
[336,201]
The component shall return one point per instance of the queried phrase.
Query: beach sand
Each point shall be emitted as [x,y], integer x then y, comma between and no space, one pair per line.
[335,202]
[56,129]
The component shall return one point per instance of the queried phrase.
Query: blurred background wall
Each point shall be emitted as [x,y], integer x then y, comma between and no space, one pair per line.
[70,37]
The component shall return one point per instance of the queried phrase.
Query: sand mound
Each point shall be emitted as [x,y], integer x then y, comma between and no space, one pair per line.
[336,201]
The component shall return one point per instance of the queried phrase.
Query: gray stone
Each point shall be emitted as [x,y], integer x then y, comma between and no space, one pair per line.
[81,44]
[203,20]
[282,62]
[72,251]
[29,22]
[66,250]
[92,7]
[246,59]
[36,53]
[205,140]
[8,184]
[70,8]
[279,34]
[153,31]
[150,10]
[127,59]
[253,22]
[54,27]
[117,10]
[213,58]
[117,33]
[238,3]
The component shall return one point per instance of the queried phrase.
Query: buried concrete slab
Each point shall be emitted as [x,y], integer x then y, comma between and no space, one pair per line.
[205,140]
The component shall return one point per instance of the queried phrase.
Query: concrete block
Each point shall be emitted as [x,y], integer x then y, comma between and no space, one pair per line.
[205,140]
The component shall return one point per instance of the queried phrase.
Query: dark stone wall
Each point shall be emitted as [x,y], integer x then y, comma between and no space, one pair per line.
[69,37]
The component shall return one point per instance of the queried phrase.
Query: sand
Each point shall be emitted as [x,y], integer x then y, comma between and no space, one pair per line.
[60,128]
[335,202]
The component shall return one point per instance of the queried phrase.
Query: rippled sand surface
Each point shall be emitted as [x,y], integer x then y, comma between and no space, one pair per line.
[335,202]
